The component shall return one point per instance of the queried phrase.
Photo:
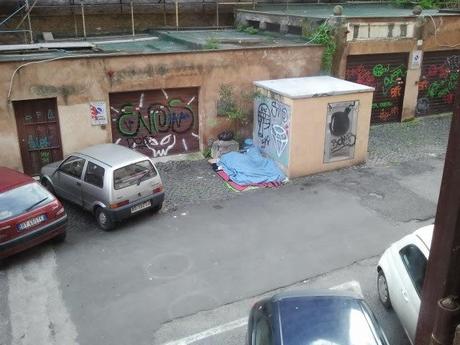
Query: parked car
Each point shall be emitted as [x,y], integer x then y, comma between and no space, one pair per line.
[109,180]
[312,317]
[400,276]
[29,214]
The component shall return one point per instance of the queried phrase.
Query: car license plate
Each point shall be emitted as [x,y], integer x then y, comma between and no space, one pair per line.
[142,206]
[31,222]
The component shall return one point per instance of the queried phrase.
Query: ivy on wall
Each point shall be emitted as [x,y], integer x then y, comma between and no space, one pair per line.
[324,35]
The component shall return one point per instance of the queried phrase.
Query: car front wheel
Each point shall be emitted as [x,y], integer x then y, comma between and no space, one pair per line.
[382,287]
[103,220]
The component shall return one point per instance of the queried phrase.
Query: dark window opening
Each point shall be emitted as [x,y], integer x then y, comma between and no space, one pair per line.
[295,30]
[273,27]
[253,23]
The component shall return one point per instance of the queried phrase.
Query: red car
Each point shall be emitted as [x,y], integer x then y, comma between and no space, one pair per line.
[29,214]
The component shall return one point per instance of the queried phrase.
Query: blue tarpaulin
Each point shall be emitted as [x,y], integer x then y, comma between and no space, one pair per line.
[250,167]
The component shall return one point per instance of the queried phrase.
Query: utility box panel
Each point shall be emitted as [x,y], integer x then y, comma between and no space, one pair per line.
[313,124]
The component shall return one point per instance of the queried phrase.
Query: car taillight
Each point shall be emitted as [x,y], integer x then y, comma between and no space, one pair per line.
[60,211]
[119,204]
[158,189]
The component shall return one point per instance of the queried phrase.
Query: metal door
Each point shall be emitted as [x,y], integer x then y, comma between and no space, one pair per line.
[156,122]
[438,82]
[387,74]
[39,136]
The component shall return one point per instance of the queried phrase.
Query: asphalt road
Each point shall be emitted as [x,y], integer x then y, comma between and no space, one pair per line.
[159,278]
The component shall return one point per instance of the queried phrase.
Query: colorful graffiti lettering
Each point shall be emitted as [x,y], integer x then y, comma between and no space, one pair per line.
[423,84]
[361,75]
[393,78]
[271,130]
[441,71]
[395,91]
[159,118]
[381,105]
[35,143]
[45,157]
[154,126]
[441,88]
[379,70]
[386,114]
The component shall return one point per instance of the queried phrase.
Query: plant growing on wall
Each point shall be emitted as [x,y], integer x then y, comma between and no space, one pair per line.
[324,35]
[235,107]
[425,4]
[211,43]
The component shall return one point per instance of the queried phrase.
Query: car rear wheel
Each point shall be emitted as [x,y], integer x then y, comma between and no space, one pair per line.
[103,220]
[60,238]
[157,208]
[382,287]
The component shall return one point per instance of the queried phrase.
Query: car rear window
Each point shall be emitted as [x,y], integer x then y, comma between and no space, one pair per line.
[23,199]
[325,320]
[133,174]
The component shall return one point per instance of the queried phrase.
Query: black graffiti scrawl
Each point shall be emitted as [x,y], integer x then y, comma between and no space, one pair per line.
[156,122]
[340,131]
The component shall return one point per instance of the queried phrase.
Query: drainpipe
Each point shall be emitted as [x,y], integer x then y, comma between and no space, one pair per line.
[83,18]
[132,18]
[30,24]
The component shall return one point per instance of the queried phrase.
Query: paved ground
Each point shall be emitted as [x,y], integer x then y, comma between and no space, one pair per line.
[211,252]
[389,145]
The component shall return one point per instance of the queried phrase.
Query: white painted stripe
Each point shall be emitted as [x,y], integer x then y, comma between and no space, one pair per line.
[126,40]
[351,285]
[37,311]
[191,100]
[184,144]
[210,332]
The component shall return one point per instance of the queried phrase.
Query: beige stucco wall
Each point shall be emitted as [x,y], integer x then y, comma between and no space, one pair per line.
[76,82]
[308,134]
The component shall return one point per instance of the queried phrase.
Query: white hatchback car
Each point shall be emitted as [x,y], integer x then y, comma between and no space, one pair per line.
[401,272]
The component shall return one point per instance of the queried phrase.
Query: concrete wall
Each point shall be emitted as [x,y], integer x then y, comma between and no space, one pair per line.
[77,81]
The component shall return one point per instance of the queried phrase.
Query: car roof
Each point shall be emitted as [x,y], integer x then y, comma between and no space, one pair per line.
[10,179]
[112,154]
[320,314]
[425,234]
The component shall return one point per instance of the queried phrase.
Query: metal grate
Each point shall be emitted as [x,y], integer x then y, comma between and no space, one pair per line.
[438,82]
[387,74]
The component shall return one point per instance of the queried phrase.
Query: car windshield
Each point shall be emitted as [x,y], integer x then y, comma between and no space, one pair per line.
[133,174]
[23,199]
[325,320]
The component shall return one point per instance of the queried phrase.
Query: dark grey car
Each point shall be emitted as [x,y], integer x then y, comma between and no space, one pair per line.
[312,317]
[110,180]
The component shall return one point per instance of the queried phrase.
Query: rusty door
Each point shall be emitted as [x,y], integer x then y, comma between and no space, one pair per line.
[387,74]
[38,133]
[156,122]
[438,82]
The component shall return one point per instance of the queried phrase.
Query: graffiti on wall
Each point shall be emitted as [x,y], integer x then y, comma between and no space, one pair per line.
[271,128]
[388,80]
[158,122]
[340,131]
[437,85]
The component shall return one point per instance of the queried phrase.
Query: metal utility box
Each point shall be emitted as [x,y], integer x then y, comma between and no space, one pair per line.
[313,124]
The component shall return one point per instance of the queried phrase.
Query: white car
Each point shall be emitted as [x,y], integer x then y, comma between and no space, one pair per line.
[401,271]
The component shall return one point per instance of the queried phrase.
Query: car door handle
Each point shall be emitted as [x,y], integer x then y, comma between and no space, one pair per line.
[78,184]
[405,296]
